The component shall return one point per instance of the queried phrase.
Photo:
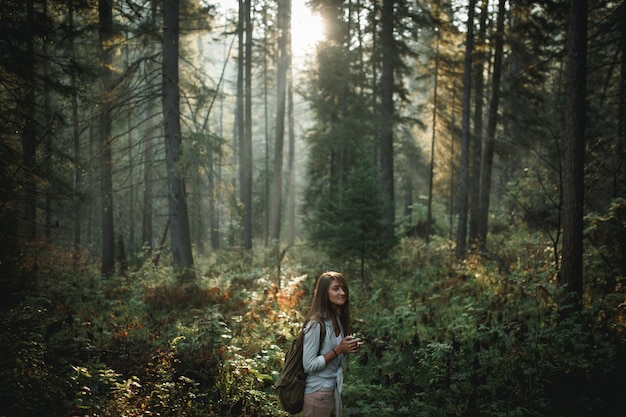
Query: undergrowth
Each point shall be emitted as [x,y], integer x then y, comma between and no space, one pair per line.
[480,338]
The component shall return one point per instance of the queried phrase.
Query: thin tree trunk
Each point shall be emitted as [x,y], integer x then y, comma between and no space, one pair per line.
[159,251]
[461,233]
[387,113]
[216,227]
[452,167]
[29,140]
[621,132]
[291,162]
[215,174]
[105,8]
[266,123]
[243,114]
[284,18]
[214,232]
[247,144]
[571,276]
[148,193]
[431,174]
[476,148]
[148,178]
[131,176]
[78,175]
[148,154]
[374,65]
[180,235]
[47,134]
[91,232]
[482,213]
[238,131]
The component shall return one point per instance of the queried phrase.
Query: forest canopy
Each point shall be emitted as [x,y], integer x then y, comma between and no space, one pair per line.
[175,175]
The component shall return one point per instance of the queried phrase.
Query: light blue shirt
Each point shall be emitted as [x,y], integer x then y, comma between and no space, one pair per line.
[320,373]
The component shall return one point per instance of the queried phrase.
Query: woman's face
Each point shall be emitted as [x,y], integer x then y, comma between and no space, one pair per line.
[336,295]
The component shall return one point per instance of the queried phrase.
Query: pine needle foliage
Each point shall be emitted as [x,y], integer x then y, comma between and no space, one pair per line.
[346,224]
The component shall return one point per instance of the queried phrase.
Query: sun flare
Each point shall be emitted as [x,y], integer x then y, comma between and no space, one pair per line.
[307,29]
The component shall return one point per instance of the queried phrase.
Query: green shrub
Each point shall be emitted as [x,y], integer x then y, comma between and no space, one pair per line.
[479,338]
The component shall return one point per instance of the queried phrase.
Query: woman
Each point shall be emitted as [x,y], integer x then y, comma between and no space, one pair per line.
[324,365]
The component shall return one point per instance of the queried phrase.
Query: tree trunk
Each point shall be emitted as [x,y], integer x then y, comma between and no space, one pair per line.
[214,218]
[131,179]
[621,132]
[78,174]
[284,13]
[180,236]
[148,173]
[238,131]
[215,173]
[431,174]
[91,218]
[476,148]
[571,276]
[461,233]
[247,144]
[105,13]
[387,114]
[29,139]
[48,132]
[243,115]
[291,158]
[266,125]
[147,238]
[451,197]
[482,213]
[284,26]
[148,183]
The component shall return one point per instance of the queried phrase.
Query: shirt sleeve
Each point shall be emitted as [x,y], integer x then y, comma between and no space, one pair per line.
[312,361]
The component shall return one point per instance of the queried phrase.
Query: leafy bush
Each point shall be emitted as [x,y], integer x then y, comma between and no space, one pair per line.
[471,340]
[484,337]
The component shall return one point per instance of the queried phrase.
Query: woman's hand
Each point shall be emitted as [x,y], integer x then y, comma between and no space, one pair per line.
[350,344]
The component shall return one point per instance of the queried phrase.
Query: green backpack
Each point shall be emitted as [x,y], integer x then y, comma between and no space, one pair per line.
[292,378]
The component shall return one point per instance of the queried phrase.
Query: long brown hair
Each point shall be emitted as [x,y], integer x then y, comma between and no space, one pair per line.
[321,308]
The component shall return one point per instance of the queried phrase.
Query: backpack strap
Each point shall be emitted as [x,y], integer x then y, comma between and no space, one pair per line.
[322,335]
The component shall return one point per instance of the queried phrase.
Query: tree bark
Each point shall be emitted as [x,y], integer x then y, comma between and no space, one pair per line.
[387,114]
[461,233]
[477,146]
[284,13]
[78,174]
[180,235]
[571,274]
[105,13]
[131,182]
[29,140]
[147,229]
[482,213]
[291,164]
[243,120]
[451,197]
[266,126]
[621,132]
[431,174]
[48,132]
